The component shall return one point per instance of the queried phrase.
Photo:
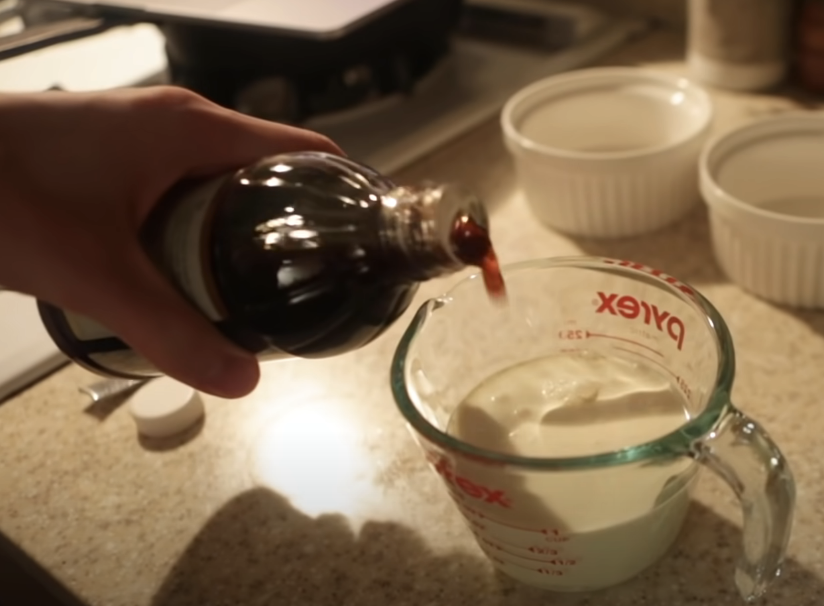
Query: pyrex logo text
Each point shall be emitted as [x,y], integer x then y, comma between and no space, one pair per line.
[630,308]
[468,487]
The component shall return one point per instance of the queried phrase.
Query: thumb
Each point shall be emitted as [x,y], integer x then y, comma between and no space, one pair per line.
[148,313]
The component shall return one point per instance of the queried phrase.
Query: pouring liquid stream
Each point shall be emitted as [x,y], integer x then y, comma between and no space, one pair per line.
[473,246]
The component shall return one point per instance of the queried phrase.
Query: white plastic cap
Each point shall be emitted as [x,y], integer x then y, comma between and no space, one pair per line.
[164,407]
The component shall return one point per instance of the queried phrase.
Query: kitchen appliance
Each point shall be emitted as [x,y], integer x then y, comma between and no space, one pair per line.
[324,19]
[388,88]
[455,73]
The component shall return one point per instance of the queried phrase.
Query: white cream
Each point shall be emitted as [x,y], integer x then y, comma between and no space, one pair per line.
[569,405]
[573,530]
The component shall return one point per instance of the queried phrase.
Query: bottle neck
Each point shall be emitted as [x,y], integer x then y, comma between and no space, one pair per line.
[419,225]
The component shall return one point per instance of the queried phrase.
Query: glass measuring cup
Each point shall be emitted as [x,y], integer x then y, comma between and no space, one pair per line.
[587,522]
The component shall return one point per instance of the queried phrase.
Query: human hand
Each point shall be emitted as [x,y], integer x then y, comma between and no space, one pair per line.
[80,172]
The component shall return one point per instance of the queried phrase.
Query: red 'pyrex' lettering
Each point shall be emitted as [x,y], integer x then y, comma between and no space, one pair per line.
[470,488]
[630,308]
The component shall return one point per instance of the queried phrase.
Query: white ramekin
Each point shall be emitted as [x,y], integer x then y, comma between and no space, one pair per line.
[764,186]
[617,152]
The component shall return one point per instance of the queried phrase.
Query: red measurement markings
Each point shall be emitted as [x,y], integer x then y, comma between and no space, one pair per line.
[572,334]
[536,549]
[552,572]
[502,549]
[547,571]
[554,535]
[685,388]
[547,532]
[492,556]
[543,550]
[579,334]
[477,528]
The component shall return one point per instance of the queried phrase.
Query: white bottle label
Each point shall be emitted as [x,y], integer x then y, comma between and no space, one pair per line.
[184,254]
[183,248]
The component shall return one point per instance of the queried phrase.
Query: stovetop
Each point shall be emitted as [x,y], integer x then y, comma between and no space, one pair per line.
[466,88]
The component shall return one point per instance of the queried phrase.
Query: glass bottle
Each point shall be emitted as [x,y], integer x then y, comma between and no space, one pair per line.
[303,254]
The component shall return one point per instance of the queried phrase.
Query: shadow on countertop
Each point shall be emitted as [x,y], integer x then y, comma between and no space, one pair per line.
[682,250]
[259,551]
[814,318]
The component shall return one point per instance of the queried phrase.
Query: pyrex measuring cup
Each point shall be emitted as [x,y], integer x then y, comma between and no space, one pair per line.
[587,522]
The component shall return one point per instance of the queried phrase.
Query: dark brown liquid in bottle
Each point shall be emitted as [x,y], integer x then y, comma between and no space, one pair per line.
[295,263]
[332,291]
[336,294]
[473,247]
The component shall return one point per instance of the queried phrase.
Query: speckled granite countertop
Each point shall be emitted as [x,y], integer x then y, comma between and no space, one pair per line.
[252,509]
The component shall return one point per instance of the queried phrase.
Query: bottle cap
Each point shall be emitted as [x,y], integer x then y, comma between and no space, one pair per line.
[163,407]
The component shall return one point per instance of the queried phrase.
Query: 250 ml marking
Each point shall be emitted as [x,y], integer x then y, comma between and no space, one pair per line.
[579,334]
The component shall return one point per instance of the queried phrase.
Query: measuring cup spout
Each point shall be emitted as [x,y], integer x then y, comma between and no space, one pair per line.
[744,456]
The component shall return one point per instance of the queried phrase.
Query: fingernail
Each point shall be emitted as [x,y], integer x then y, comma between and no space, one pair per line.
[236,376]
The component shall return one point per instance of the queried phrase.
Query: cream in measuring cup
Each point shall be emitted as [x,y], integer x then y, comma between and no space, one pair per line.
[569,425]
[573,404]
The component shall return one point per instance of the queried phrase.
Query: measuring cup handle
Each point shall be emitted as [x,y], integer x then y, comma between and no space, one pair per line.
[745,457]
